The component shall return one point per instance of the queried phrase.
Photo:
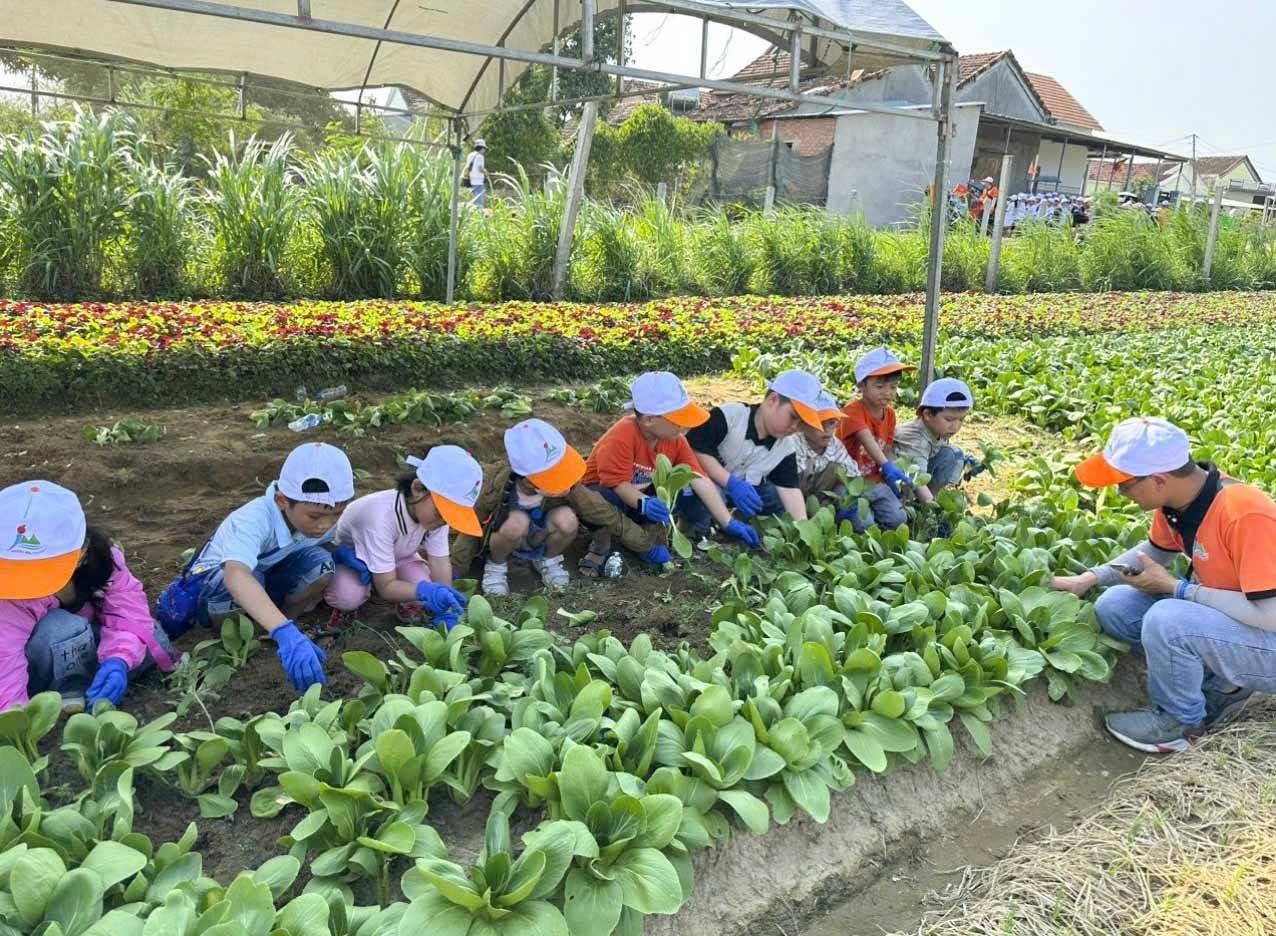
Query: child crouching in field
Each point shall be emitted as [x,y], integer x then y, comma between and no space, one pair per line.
[926,440]
[620,499]
[525,509]
[822,459]
[267,560]
[381,537]
[73,618]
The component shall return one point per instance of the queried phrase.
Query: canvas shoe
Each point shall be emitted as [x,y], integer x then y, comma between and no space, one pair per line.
[1152,730]
[553,573]
[496,579]
[1222,707]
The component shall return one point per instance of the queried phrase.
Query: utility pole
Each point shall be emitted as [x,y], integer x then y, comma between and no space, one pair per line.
[1193,168]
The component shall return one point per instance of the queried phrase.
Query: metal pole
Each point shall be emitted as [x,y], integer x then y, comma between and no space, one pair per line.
[795,60]
[1058,173]
[35,92]
[1193,168]
[946,75]
[768,203]
[999,226]
[1212,238]
[553,75]
[575,193]
[1129,172]
[1156,184]
[1178,187]
[454,224]
[704,47]
[587,31]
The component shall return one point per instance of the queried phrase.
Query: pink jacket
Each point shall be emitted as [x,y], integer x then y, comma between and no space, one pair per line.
[127,630]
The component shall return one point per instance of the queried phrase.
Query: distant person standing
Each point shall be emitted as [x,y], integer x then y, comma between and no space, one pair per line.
[475,172]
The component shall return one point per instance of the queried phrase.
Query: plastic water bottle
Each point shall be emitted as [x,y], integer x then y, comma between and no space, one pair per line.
[307,422]
[614,567]
[328,394]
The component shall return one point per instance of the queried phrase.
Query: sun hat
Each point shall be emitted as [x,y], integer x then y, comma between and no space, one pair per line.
[317,461]
[538,452]
[1136,448]
[879,363]
[41,535]
[454,480]
[660,393]
[803,391]
[480,143]
[948,393]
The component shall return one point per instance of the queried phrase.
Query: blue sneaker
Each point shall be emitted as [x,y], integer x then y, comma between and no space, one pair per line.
[1152,730]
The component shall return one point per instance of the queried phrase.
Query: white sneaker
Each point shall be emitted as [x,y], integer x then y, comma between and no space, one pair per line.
[553,573]
[496,579]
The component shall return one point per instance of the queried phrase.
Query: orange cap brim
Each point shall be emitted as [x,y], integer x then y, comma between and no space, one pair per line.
[25,579]
[1095,472]
[891,369]
[562,477]
[689,416]
[828,414]
[810,415]
[458,517]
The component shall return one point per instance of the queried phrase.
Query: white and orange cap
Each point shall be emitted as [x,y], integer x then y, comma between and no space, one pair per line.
[454,480]
[803,391]
[828,408]
[879,363]
[660,393]
[317,461]
[538,452]
[948,393]
[41,535]
[1137,448]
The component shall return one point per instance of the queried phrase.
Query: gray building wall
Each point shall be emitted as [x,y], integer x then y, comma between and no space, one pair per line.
[883,163]
[1002,92]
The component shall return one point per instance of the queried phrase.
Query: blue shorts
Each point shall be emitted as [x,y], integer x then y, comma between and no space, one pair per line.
[290,576]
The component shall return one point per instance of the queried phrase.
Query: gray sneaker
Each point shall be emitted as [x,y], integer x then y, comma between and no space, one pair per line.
[1152,730]
[1222,707]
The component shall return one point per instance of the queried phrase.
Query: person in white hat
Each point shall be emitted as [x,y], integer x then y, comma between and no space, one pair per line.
[394,543]
[474,173]
[926,441]
[748,451]
[822,459]
[618,498]
[267,560]
[524,509]
[1209,640]
[73,618]
[869,434]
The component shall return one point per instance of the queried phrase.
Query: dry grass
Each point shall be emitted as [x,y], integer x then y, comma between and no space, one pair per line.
[1185,847]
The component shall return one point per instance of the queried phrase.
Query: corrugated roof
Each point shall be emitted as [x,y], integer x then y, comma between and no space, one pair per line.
[1060,104]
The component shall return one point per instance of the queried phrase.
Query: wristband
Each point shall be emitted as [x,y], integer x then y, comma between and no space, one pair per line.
[1180,590]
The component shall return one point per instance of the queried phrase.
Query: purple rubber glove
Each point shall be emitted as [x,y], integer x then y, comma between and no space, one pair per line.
[744,533]
[744,495]
[302,660]
[109,683]
[345,556]
[655,510]
[440,599]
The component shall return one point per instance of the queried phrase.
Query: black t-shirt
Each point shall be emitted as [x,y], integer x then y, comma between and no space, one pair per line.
[709,436]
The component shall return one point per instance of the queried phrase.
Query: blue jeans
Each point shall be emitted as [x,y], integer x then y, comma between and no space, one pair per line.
[884,507]
[945,468]
[287,578]
[1188,645]
[62,653]
[693,510]
[480,194]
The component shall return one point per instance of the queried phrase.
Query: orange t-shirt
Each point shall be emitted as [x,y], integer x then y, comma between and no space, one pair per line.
[1235,546]
[623,455]
[858,417]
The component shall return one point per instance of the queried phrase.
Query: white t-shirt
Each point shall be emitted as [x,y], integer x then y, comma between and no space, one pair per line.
[383,532]
[478,166]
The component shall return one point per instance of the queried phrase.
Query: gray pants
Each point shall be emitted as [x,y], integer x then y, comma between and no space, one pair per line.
[887,512]
[62,653]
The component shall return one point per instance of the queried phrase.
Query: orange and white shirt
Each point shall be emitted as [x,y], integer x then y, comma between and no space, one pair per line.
[1229,533]
[883,429]
[623,456]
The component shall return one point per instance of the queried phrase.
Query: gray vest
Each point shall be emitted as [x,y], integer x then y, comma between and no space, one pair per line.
[744,457]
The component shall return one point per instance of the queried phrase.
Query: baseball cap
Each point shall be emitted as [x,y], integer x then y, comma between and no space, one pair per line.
[948,393]
[803,391]
[454,480]
[539,453]
[1136,448]
[879,363]
[660,393]
[827,408]
[317,460]
[46,523]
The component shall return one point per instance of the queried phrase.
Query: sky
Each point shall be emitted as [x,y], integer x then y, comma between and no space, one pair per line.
[1152,72]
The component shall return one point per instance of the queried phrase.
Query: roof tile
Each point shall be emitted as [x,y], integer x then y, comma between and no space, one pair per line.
[1060,104]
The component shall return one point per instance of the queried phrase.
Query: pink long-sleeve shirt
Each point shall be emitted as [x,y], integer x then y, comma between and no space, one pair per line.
[127,630]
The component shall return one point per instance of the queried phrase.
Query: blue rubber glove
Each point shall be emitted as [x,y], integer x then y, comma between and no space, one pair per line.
[970,460]
[345,556]
[744,533]
[744,495]
[440,599]
[447,619]
[655,510]
[895,477]
[109,683]
[658,555]
[846,513]
[301,658]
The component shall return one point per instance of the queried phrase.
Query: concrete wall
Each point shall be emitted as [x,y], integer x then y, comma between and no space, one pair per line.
[883,163]
[991,145]
[1074,167]
[1002,91]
